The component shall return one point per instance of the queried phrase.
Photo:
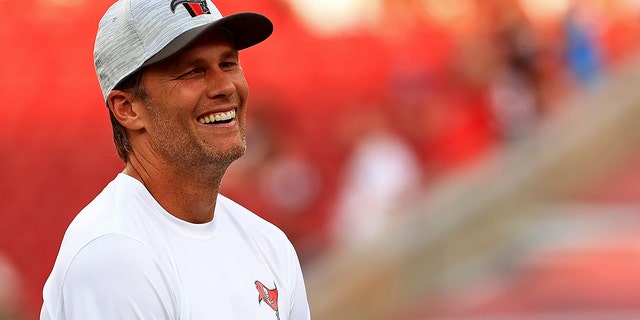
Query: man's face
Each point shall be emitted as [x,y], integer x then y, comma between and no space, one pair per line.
[196,104]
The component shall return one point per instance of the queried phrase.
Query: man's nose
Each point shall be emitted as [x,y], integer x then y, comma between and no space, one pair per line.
[220,84]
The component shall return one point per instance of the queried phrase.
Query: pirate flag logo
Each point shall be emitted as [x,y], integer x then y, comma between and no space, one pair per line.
[269,296]
[194,7]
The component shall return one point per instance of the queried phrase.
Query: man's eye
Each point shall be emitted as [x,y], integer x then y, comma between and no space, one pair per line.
[191,73]
[228,65]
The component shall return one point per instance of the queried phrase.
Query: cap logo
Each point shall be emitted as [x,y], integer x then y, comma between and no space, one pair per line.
[194,7]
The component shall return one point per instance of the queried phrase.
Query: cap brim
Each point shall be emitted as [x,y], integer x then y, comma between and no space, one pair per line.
[246,29]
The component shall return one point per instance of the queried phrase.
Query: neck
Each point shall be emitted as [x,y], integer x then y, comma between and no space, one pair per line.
[188,194]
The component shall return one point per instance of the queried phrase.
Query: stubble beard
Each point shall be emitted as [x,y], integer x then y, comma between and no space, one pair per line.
[190,155]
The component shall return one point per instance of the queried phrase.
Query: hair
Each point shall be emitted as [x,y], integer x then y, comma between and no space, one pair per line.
[131,84]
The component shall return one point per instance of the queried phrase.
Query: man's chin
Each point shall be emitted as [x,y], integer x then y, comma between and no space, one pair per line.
[226,157]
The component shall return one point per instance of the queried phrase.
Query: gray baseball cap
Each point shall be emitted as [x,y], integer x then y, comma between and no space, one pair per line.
[136,33]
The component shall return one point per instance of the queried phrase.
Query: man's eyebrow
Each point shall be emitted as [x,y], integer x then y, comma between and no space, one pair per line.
[230,53]
[224,55]
[186,63]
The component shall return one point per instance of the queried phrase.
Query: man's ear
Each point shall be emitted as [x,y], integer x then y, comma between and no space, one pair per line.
[124,107]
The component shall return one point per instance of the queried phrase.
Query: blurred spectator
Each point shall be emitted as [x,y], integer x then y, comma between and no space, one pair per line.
[11,292]
[514,88]
[582,49]
[289,181]
[381,173]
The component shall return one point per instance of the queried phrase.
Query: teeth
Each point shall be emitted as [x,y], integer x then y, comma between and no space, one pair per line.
[222,116]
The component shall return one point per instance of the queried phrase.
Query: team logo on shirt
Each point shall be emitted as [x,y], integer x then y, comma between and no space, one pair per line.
[269,296]
[194,7]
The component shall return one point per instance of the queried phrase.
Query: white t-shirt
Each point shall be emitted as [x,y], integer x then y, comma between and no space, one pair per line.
[125,257]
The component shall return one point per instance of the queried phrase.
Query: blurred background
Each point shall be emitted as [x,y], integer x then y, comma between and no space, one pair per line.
[459,159]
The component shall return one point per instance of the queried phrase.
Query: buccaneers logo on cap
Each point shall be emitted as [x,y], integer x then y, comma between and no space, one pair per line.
[194,7]
[269,296]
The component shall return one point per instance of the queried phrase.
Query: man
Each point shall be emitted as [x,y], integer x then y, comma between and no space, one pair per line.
[159,242]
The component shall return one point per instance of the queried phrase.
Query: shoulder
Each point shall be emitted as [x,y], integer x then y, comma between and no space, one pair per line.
[109,242]
[266,237]
[114,258]
[113,276]
[119,209]
[110,232]
[252,221]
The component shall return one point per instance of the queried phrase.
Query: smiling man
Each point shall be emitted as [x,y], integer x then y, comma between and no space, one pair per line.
[160,242]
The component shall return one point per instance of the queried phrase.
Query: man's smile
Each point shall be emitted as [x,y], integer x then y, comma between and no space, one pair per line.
[218,117]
